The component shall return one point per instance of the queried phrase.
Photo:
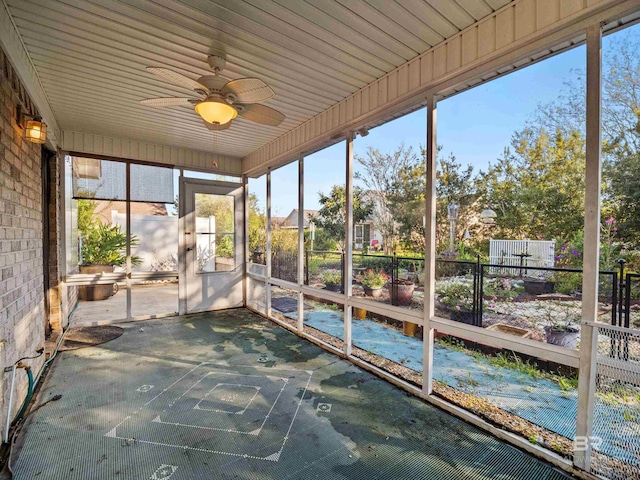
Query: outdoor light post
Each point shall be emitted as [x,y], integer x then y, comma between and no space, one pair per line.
[453,211]
[312,234]
[488,217]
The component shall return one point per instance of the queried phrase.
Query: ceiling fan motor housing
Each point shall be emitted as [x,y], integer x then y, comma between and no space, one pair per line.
[216,62]
[213,82]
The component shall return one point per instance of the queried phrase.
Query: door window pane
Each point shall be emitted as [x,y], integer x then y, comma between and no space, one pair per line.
[215,244]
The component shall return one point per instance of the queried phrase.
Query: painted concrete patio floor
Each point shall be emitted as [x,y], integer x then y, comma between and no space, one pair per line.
[152,298]
[540,401]
[231,395]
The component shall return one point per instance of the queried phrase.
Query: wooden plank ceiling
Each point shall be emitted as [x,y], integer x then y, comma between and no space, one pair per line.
[91,56]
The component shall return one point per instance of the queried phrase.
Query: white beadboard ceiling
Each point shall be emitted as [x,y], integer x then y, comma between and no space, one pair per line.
[90,56]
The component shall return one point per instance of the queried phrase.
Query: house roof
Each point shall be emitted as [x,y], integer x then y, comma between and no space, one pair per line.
[291,220]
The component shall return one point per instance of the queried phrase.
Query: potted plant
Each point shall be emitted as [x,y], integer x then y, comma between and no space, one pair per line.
[332,281]
[372,281]
[404,289]
[457,296]
[102,248]
[562,323]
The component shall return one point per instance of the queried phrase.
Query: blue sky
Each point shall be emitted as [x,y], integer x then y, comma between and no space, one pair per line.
[475,126]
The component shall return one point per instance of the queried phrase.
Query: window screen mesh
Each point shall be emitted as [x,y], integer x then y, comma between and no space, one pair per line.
[151,184]
[99,179]
[107,180]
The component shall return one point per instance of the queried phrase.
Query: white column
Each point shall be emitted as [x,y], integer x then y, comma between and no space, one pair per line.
[348,243]
[245,233]
[128,236]
[588,334]
[182,248]
[268,252]
[300,242]
[430,247]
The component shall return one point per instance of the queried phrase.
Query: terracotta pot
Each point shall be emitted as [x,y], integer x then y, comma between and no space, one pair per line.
[94,293]
[405,290]
[359,313]
[372,292]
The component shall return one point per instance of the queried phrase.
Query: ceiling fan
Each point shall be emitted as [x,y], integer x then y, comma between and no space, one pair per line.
[220,99]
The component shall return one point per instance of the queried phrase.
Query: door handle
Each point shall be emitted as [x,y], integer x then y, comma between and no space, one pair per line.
[189,249]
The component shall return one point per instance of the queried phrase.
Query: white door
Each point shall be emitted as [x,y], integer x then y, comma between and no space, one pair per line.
[212,245]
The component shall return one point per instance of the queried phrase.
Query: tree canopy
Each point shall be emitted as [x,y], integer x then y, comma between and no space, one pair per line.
[332,216]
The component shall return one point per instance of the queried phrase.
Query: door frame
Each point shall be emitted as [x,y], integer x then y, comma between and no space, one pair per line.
[239,236]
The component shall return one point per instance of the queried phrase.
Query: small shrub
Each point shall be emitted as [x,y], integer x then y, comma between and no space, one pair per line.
[568,283]
[374,278]
[456,293]
[332,278]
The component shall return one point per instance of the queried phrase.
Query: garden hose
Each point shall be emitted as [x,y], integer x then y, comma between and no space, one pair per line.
[27,399]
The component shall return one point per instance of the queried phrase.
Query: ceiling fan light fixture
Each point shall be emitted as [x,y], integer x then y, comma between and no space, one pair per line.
[215,110]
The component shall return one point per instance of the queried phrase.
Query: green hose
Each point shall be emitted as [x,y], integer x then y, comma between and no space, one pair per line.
[33,383]
[25,404]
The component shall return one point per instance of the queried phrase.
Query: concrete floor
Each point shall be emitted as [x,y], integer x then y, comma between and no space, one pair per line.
[230,395]
[151,299]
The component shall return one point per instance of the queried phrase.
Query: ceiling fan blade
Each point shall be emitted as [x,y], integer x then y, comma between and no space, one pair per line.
[177,78]
[217,126]
[261,114]
[167,102]
[248,90]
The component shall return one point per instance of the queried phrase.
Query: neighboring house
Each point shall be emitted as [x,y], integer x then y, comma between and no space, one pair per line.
[364,233]
[291,220]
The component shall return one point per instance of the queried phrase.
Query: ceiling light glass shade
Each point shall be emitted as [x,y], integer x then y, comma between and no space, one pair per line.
[216,111]
[35,131]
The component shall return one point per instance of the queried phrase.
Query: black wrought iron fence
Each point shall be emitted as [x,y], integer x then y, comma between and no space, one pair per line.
[322,265]
[485,284]
[284,264]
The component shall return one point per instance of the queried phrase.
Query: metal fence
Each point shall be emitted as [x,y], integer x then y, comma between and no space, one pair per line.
[615,438]
[619,289]
[284,264]
[395,266]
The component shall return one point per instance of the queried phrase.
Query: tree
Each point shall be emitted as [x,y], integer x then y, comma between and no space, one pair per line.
[454,184]
[379,176]
[406,202]
[620,128]
[332,216]
[623,179]
[537,187]
[257,225]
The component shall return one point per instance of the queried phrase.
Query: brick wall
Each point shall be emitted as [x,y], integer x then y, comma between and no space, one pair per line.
[55,240]
[21,283]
